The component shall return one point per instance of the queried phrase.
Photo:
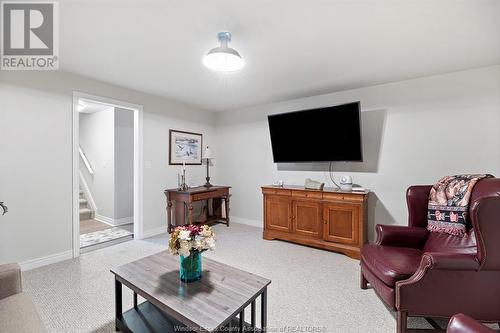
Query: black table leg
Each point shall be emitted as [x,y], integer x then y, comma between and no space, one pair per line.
[252,315]
[263,310]
[242,320]
[118,303]
[135,300]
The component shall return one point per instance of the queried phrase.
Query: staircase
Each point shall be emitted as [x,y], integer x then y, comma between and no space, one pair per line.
[86,213]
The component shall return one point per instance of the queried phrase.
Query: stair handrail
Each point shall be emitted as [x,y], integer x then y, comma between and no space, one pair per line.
[85,160]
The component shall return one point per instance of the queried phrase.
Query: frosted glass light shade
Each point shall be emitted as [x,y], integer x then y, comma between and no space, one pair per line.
[208,154]
[223,59]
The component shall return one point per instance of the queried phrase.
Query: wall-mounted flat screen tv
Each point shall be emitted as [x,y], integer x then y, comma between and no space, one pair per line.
[318,135]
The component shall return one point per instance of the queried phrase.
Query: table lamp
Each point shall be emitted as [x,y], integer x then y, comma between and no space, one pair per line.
[207,156]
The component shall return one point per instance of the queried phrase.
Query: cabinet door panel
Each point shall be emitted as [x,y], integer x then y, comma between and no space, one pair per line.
[341,223]
[278,213]
[306,218]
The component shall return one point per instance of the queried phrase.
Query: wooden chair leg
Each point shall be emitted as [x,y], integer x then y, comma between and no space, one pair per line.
[363,283]
[402,321]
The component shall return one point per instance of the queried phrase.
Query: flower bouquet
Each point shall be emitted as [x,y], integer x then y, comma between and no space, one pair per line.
[189,242]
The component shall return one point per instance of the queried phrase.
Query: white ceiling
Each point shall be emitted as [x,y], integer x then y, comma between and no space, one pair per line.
[292,48]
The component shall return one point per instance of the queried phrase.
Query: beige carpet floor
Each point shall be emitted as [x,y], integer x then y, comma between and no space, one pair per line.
[310,289]
[91,225]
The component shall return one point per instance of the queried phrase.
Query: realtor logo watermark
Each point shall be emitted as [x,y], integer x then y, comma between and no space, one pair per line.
[29,35]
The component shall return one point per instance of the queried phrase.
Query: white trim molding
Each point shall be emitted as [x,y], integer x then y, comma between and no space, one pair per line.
[114,222]
[138,163]
[76,177]
[44,261]
[253,223]
[138,173]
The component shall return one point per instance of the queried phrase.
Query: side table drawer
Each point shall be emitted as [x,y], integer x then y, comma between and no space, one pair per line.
[210,194]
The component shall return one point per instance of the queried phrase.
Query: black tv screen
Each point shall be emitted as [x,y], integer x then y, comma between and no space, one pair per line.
[318,135]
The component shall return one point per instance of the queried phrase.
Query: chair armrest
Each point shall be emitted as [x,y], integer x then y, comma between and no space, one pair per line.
[461,323]
[401,236]
[451,261]
[10,280]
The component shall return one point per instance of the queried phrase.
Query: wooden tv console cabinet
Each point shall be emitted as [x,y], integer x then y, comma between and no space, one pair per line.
[330,219]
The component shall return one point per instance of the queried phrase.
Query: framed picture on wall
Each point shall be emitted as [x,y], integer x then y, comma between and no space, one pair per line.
[185,147]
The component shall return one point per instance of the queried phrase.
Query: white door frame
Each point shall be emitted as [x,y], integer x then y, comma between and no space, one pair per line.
[138,164]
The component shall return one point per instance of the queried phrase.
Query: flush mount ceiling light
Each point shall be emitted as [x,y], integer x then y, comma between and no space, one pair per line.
[223,58]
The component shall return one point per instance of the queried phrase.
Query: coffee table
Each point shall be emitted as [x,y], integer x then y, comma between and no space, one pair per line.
[215,303]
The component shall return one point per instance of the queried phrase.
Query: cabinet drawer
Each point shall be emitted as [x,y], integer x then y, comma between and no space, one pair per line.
[344,197]
[305,194]
[209,195]
[277,191]
[333,196]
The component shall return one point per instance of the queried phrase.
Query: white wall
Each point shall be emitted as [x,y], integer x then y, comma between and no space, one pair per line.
[427,127]
[107,138]
[414,132]
[124,163]
[97,139]
[36,158]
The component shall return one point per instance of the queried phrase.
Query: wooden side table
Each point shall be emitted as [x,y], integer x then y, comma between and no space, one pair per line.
[180,205]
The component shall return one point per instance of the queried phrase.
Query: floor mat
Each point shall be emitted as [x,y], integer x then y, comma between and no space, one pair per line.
[101,236]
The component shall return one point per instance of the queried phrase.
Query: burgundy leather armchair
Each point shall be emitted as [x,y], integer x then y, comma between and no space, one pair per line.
[435,275]
[461,323]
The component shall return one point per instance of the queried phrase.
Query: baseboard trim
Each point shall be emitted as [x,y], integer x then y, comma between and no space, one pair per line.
[235,219]
[114,222]
[44,261]
[153,232]
[250,222]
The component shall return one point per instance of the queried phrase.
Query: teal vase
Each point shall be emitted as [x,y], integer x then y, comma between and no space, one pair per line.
[190,270]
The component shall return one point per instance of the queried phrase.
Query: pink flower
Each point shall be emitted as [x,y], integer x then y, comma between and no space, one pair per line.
[453,217]
[189,238]
[439,215]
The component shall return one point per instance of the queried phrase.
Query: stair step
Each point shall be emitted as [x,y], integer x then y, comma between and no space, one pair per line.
[83,201]
[86,214]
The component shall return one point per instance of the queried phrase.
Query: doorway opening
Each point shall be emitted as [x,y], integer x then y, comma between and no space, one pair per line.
[106,175]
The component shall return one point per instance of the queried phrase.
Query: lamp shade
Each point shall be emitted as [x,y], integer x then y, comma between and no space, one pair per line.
[223,58]
[208,154]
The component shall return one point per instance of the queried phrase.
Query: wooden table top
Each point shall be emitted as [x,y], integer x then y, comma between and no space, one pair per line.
[198,189]
[222,292]
[326,189]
